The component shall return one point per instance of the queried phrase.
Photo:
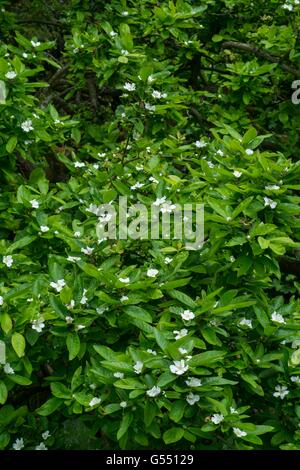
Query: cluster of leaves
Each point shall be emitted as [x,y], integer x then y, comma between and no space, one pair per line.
[191,100]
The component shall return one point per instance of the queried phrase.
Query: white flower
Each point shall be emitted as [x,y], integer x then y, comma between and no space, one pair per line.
[94,401]
[276,317]
[270,202]
[25,55]
[11,75]
[159,201]
[281,391]
[167,207]
[8,260]
[125,280]
[125,13]
[59,285]
[150,107]
[113,34]
[200,144]
[118,375]
[220,152]
[295,343]
[287,6]
[79,164]
[150,351]
[137,186]
[138,367]
[79,327]
[239,433]
[210,164]
[77,234]
[193,382]
[96,166]
[129,86]
[156,94]
[38,325]
[123,404]
[72,259]
[295,378]
[271,187]
[27,125]
[44,228]
[150,79]
[18,444]
[124,52]
[249,151]
[35,43]
[237,174]
[217,418]
[69,320]
[8,369]
[182,351]
[124,298]
[87,250]
[232,259]
[34,203]
[154,391]
[1,300]
[84,299]
[233,410]
[187,315]
[192,399]
[101,154]
[153,180]
[41,446]
[180,334]
[168,260]
[152,272]
[178,367]
[245,322]
[45,435]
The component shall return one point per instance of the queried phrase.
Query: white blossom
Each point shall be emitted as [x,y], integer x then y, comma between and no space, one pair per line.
[150,351]
[79,164]
[26,126]
[10,75]
[84,299]
[124,298]
[123,404]
[45,435]
[137,186]
[152,272]
[249,151]
[34,203]
[77,234]
[129,86]
[154,391]
[18,444]
[58,285]
[41,446]
[159,201]
[44,228]
[187,315]
[118,375]
[200,144]
[246,322]
[35,43]
[167,207]
[153,180]
[237,173]
[113,34]
[94,401]
[272,187]
[233,410]
[295,379]
[182,351]
[193,382]
[138,367]
[168,260]
[69,320]
[270,202]
[277,318]
[79,327]
[181,333]
[87,250]
[38,325]
[8,369]
[281,391]
[217,418]
[1,300]
[8,260]
[73,259]
[178,367]
[239,432]
[124,280]
[150,107]
[192,398]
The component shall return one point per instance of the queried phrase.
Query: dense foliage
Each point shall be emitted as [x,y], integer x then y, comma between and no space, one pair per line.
[192,101]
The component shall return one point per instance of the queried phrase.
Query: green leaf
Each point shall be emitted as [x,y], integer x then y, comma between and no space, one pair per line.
[49,406]
[173,435]
[18,343]
[138,313]
[124,426]
[73,345]
[11,144]
[3,393]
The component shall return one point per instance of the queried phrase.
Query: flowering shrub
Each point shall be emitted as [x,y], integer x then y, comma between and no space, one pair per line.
[134,344]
